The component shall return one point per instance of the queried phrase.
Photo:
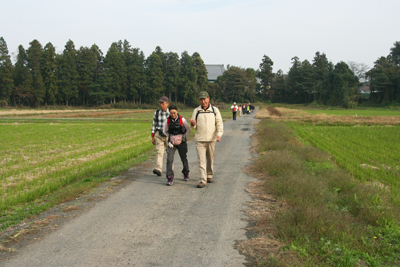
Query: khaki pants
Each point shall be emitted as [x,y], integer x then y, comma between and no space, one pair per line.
[161,145]
[205,155]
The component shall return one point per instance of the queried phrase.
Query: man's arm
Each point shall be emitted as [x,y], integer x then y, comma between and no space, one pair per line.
[219,124]
[153,128]
[193,119]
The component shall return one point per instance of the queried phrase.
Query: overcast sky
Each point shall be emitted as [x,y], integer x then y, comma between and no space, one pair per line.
[234,32]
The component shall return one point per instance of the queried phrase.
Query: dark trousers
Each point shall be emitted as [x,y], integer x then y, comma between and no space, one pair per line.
[234,115]
[182,150]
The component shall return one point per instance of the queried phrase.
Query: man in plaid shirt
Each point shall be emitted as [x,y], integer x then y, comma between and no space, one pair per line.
[157,136]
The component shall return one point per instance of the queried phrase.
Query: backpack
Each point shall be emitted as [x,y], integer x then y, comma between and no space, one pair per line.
[180,121]
[215,114]
[234,109]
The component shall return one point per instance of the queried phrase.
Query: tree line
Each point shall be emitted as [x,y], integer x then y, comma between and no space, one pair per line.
[85,76]
[335,85]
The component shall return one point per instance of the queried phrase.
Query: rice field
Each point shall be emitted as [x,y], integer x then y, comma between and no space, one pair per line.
[40,157]
[370,153]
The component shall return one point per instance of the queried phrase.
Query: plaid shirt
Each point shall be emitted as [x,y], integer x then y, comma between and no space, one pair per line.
[158,121]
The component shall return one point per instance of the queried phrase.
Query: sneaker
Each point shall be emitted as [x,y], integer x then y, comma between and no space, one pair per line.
[210,180]
[170,180]
[201,185]
[186,176]
[155,171]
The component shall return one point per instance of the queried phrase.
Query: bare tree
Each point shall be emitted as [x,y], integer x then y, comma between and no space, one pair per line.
[359,70]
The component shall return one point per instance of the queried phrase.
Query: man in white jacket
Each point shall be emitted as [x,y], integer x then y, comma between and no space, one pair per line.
[208,124]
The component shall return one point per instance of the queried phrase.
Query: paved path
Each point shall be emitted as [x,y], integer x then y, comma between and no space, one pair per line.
[150,224]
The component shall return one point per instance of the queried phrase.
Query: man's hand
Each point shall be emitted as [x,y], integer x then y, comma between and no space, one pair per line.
[218,138]
[193,122]
[153,140]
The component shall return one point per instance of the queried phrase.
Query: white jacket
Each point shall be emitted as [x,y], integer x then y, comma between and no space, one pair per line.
[208,125]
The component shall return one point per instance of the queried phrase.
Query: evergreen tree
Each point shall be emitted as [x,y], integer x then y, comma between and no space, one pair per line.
[115,69]
[172,74]
[384,81]
[142,79]
[201,73]
[279,87]
[343,86]
[155,77]
[234,84]
[86,63]
[132,72]
[305,83]
[321,67]
[34,54]
[96,88]
[293,78]
[68,73]
[395,53]
[251,85]
[187,80]
[266,76]
[6,72]
[49,73]
[23,91]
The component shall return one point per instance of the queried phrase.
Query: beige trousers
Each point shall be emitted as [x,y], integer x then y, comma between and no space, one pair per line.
[161,145]
[205,155]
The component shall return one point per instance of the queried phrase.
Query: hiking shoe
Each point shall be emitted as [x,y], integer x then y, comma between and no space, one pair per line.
[186,176]
[155,171]
[210,180]
[201,185]
[170,180]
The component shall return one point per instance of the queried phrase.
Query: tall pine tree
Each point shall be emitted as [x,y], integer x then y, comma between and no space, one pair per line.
[34,53]
[6,73]
[172,74]
[201,73]
[68,74]
[187,80]
[155,77]
[23,91]
[49,73]
[115,69]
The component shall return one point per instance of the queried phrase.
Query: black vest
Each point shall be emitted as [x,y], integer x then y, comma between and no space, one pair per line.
[174,127]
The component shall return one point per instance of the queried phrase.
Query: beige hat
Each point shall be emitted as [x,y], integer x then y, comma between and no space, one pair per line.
[203,94]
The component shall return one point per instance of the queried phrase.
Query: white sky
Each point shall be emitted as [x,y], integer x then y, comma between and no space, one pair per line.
[234,32]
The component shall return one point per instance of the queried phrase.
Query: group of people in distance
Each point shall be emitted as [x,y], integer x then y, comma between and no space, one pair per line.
[241,110]
[170,131]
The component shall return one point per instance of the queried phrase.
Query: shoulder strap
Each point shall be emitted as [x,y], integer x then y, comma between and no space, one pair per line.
[215,114]
[180,120]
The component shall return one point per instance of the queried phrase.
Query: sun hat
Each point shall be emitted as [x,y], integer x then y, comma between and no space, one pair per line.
[234,103]
[164,99]
[203,94]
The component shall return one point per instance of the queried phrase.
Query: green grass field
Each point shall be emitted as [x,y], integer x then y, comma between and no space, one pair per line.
[369,153]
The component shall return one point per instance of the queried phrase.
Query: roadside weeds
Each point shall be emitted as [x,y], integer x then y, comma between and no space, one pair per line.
[309,212]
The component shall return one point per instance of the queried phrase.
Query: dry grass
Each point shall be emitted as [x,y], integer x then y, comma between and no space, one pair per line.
[70,208]
[35,111]
[302,116]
